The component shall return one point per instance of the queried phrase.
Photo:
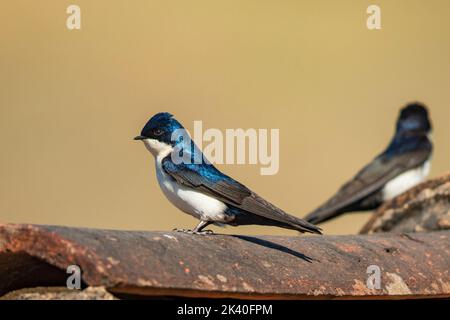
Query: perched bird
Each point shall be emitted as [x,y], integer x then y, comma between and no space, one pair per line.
[201,190]
[404,164]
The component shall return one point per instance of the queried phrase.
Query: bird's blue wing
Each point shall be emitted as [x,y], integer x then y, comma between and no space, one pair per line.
[207,178]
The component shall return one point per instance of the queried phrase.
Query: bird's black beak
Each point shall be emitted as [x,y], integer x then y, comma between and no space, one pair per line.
[139,138]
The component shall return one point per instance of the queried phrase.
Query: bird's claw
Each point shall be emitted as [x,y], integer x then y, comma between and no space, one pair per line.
[189,231]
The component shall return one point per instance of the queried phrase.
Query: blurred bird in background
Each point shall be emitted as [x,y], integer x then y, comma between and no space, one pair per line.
[404,164]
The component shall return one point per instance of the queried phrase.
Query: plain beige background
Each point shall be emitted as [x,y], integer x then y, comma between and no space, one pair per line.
[71,101]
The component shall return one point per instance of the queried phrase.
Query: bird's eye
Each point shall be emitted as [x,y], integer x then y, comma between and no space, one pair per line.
[158,132]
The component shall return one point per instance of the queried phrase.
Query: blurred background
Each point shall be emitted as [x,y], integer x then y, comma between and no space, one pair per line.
[71,101]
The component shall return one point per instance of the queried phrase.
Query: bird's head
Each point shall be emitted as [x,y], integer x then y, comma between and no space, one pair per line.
[158,133]
[414,119]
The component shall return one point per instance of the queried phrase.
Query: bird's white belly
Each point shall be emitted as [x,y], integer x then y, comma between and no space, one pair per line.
[405,181]
[197,204]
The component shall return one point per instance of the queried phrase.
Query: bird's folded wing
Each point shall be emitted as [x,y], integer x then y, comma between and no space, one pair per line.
[369,180]
[209,180]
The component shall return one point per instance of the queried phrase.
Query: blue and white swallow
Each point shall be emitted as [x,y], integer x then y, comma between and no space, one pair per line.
[201,190]
[402,165]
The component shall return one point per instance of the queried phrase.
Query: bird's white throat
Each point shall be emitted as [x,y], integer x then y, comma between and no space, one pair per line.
[157,148]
